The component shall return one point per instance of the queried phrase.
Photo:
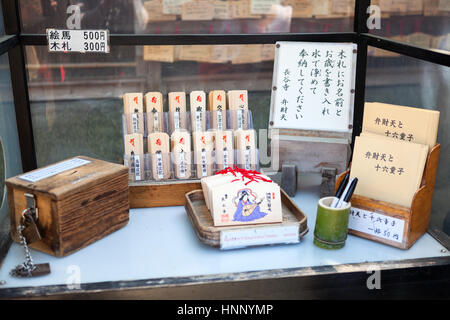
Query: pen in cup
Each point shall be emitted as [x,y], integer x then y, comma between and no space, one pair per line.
[340,191]
[347,193]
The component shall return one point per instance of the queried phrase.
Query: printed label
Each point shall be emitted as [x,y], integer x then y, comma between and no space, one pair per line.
[198,120]
[156,122]
[135,121]
[225,158]
[247,157]
[78,40]
[376,224]
[54,170]
[219,120]
[240,116]
[159,166]
[176,120]
[137,167]
[204,170]
[182,165]
[240,238]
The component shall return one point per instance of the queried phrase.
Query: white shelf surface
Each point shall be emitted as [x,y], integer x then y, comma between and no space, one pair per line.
[161,243]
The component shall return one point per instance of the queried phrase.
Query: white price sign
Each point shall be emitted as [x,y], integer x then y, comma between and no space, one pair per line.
[78,40]
[376,224]
[241,238]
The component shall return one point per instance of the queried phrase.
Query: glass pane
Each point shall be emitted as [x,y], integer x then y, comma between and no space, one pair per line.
[76,100]
[424,23]
[2,174]
[2,26]
[190,16]
[410,82]
[10,160]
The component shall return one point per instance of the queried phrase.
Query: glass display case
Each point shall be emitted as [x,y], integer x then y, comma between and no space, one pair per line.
[55,106]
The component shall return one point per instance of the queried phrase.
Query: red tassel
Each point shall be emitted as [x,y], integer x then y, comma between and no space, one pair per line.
[251,175]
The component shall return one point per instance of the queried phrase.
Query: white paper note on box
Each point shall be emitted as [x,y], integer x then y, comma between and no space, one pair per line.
[376,224]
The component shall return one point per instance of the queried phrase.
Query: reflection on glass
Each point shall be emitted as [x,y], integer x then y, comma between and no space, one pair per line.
[10,160]
[406,81]
[2,26]
[76,101]
[2,174]
[423,23]
[190,16]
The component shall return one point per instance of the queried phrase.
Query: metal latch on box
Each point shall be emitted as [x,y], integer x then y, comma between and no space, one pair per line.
[31,206]
[28,232]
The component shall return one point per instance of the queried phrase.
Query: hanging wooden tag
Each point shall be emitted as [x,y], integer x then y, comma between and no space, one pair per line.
[134,112]
[154,109]
[203,152]
[224,149]
[198,108]
[177,111]
[181,154]
[238,105]
[134,155]
[158,146]
[218,107]
[246,149]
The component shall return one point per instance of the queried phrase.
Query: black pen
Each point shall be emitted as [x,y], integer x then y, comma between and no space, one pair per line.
[339,191]
[349,193]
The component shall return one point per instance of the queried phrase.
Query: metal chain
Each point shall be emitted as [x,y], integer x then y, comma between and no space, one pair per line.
[25,269]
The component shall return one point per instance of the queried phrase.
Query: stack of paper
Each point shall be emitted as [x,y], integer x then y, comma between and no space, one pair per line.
[390,154]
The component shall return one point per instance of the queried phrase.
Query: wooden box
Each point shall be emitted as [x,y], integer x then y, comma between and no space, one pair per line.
[75,207]
[310,151]
[392,224]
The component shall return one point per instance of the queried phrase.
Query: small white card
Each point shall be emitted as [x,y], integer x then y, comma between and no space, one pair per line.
[375,224]
[241,238]
[78,40]
[53,170]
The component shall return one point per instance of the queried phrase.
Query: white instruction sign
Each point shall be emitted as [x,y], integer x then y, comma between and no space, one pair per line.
[52,170]
[241,238]
[375,224]
[313,86]
[78,40]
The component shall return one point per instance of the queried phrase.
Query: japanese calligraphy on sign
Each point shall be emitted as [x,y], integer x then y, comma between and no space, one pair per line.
[78,40]
[376,224]
[393,128]
[383,163]
[313,86]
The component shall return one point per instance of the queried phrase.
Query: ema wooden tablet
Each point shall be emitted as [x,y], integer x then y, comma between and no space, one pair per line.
[154,109]
[245,200]
[158,146]
[181,154]
[133,108]
[198,108]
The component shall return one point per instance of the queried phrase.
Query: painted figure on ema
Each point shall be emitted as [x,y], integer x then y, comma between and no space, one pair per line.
[247,205]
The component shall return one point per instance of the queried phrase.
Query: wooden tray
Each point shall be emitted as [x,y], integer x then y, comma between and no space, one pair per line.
[293,218]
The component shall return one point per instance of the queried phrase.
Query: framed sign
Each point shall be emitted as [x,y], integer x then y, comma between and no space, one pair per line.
[313,86]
